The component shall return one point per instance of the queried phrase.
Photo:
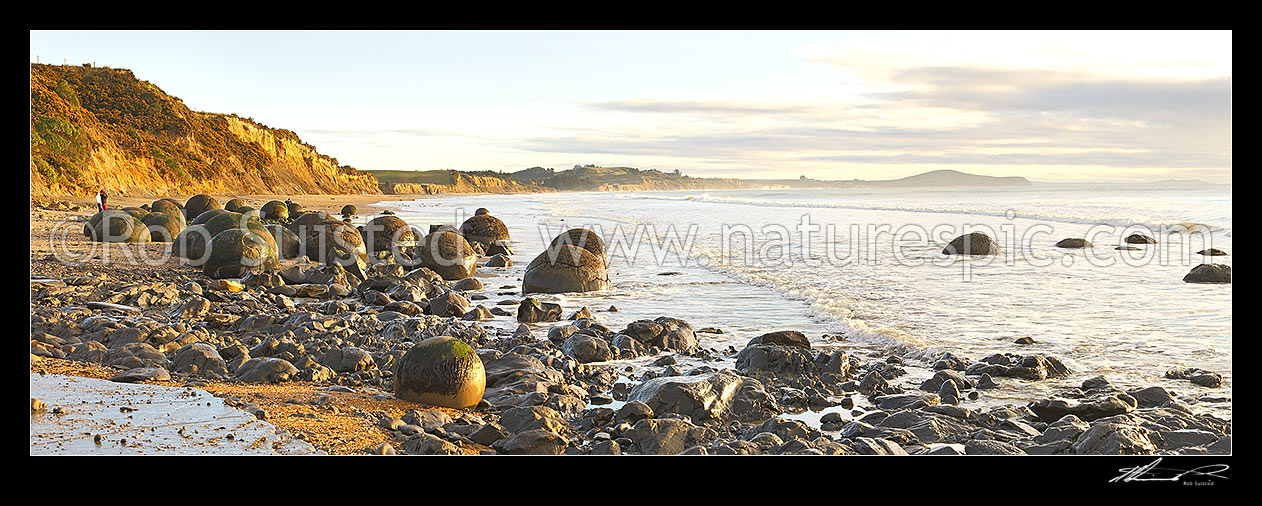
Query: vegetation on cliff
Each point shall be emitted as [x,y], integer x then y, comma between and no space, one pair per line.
[94,128]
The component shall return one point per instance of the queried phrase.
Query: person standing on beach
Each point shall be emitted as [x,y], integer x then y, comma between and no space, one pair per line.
[100,201]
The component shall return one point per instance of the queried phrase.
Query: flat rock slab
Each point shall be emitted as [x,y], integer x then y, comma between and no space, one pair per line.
[137,419]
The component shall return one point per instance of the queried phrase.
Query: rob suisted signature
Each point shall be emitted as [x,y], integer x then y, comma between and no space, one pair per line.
[1151,472]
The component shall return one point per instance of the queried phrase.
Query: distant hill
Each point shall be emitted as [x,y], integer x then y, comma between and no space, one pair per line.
[948,178]
[94,128]
[431,182]
[1178,182]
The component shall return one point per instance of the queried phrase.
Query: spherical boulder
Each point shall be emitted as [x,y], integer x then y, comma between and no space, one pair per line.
[333,241]
[287,243]
[306,220]
[166,206]
[294,208]
[190,244]
[1209,273]
[233,205]
[485,229]
[440,371]
[206,216]
[974,244]
[198,204]
[448,254]
[481,211]
[1074,243]
[349,210]
[274,210]
[116,226]
[386,232]
[163,227]
[234,253]
[564,268]
[139,213]
[583,238]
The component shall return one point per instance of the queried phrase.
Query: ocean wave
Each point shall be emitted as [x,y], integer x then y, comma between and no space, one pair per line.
[1172,226]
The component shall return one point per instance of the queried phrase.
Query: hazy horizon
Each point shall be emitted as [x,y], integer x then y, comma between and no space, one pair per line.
[1048,106]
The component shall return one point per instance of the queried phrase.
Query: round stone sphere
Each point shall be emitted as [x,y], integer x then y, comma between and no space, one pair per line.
[287,243]
[440,371]
[166,206]
[233,205]
[485,229]
[383,232]
[163,227]
[304,221]
[294,208]
[334,241]
[481,211]
[448,254]
[190,244]
[564,269]
[974,244]
[349,210]
[585,239]
[234,253]
[198,204]
[117,226]
[206,216]
[274,210]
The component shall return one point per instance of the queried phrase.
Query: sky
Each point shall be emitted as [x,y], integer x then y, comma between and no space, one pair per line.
[1050,106]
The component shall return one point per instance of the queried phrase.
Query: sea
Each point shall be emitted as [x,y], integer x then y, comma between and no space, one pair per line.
[863,269]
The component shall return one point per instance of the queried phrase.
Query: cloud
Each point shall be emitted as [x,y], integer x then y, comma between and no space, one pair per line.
[694,107]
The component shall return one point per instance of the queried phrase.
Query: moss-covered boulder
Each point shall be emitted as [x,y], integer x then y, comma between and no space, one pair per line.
[233,205]
[385,232]
[139,213]
[333,241]
[206,216]
[306,220]
[225,221]
[115,225]
[235,252]
[974,244]
[198,204]
[274,210]
[163,227]
[190,245]
[166,206]
[294,208]
[448,254]
[484,229]
[563,269]
[287,243]
[440,371]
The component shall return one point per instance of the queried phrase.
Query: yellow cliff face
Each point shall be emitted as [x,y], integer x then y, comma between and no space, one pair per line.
[101,128]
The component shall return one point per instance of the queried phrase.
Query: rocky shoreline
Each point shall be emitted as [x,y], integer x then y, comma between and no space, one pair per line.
[559,381]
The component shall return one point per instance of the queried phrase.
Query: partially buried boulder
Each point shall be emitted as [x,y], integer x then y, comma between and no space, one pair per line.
[198,204]
[233,253]
[1073,243]
[274,210]
[166,206]
[233,205]
[287,244]
[163,227]
[485,229]
[1140,239]
[974,244]
[448,254]
[117,226]
[333,241]
[1209,273]
[384,233]
[564,268]
[440,371]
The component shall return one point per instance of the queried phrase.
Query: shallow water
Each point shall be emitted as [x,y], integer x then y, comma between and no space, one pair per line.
[873,271]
